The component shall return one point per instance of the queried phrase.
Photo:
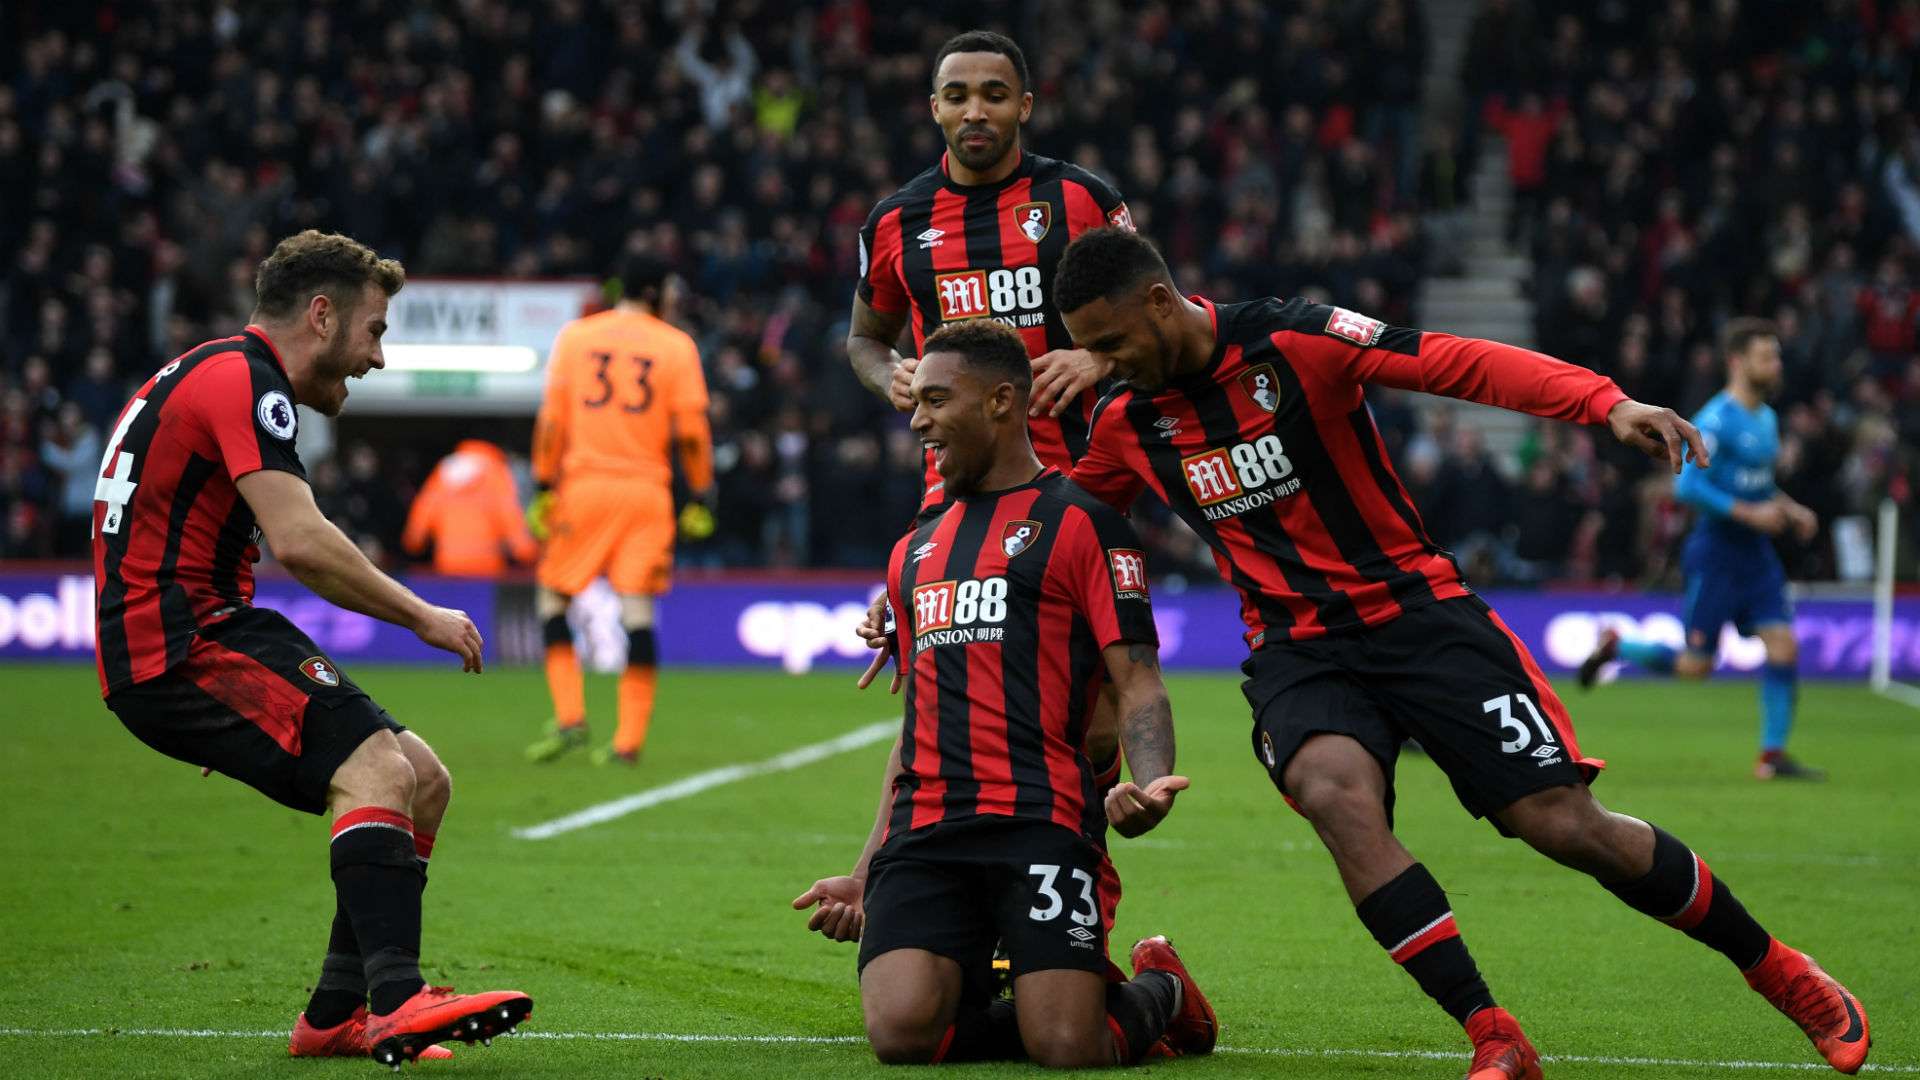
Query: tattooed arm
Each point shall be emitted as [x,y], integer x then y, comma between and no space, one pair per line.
[1146,734]
[871,337]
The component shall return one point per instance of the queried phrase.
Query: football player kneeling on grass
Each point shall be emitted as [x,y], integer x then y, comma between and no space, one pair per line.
[1017,604]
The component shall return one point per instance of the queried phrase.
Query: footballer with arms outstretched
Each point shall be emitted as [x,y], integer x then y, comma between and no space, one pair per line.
[1363,632]
[201,465]
[1018,601]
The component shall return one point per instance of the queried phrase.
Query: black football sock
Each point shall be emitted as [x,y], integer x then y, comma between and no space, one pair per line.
[1411,919]
[377,878]
[1680,891]
[1138,1012]
[342,988]
[989,1032]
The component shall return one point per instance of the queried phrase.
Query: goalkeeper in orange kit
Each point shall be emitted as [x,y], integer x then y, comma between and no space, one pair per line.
[625,395]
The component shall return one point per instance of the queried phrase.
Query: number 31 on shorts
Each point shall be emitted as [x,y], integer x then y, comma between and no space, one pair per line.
[1515,728]
[1048,875]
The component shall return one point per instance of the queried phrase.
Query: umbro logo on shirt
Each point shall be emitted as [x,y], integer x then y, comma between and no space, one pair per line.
[930,238]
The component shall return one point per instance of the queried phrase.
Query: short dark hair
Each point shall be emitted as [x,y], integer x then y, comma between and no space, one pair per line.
[313,263]
[1104,264]
[994,347]
[1739,333]
[641,276]
[982,41]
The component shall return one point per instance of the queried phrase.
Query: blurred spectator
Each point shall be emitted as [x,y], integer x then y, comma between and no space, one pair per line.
[468,514]
[71,451]
[1677,162]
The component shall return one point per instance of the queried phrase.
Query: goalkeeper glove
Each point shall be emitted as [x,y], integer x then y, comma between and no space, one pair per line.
[696,518]
[539,511]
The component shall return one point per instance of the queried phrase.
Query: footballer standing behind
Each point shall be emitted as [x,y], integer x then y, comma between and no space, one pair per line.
[625,395]
[976,237]
[1018,601]
[200,466]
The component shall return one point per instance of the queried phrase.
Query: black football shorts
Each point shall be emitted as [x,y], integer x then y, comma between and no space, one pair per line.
[257,700]
[1450,675]
[957,888]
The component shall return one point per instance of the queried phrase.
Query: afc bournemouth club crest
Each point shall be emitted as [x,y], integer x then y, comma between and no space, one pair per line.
[1034,219]
[1262,385]
[320,670]
[1018,537]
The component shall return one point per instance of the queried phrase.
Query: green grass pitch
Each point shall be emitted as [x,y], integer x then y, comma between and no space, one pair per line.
[138,897]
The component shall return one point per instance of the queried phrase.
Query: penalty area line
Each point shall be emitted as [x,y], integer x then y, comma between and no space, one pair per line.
[849,1040]
[687,786]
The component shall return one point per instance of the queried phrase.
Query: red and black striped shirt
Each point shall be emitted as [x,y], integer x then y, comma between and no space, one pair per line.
[1004,604]
[1271,455]
[948,251]
[173,542]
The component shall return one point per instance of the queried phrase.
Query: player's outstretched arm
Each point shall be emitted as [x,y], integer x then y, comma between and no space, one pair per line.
[1146,737]
[316,552]
[871,336]
[839,902]
[1658,433]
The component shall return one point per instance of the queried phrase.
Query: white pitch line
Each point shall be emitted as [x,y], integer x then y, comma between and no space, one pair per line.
[844,1040]
[712,778]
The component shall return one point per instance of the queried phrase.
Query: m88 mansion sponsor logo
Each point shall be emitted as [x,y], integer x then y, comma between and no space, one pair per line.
[957,612]
[1231,480]
[1011,295]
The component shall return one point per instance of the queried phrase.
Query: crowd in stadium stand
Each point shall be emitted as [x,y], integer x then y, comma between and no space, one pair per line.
[1678,164]
[1674,164]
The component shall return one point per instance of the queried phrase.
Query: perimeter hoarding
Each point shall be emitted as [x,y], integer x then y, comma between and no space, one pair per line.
[803,623]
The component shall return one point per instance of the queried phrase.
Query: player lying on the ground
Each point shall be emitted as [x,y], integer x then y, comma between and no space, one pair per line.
[1017,603]
[1250,422]
[1733,573]
[201,463]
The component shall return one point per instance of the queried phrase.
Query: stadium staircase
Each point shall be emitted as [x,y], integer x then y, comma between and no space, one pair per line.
[1479,293]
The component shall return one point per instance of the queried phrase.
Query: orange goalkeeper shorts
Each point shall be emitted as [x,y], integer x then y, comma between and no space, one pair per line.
[612,527]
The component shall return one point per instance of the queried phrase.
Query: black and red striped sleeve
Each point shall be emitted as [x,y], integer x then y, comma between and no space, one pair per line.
[1104,570]
[248,416]
[1113,468]
[1471,369]
[1092,203]
[883,282]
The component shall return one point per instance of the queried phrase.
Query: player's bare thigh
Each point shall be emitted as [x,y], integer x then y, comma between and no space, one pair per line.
[1063,1018]
[909,997]
[1340,787]
[377,773]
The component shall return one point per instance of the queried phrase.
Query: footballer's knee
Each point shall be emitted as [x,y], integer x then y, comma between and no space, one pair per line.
[1335,783]
[1783,649]
[432,788]
[1061,1045]
[903,1035]
[377,773]
[1567,825]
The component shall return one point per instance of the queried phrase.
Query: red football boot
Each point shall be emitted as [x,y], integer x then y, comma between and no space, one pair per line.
[1831,1017]
[1500,1049]
[1194,1027]
[348,1038]
[436,1014]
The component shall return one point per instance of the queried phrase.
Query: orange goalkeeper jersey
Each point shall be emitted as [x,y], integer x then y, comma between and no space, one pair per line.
[623,387]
